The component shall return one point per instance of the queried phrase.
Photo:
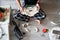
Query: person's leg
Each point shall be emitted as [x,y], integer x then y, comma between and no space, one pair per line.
[21,17]
[39,16]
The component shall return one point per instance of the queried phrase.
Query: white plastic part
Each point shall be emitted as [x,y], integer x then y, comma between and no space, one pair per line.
[52,35]
[33,29]
[30,28]
[30,11]
[25,24]
[27,30]
[53,23]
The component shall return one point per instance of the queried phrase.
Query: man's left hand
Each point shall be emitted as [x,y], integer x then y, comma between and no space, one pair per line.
[38,7]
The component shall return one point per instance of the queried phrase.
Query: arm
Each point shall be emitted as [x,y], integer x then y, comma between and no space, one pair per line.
[19,5]
[38,4]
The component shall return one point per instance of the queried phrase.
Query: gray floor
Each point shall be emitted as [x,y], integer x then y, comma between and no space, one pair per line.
[52,11]
[51,8]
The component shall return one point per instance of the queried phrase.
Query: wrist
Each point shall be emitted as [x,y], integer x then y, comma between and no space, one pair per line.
[21,9]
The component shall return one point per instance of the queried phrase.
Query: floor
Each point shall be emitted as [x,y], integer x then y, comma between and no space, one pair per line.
[52,10]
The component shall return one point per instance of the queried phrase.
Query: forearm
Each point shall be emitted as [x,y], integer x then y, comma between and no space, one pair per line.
[19,4]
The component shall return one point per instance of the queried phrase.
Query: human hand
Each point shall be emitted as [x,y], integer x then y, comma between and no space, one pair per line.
[22,10]
[38,7]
